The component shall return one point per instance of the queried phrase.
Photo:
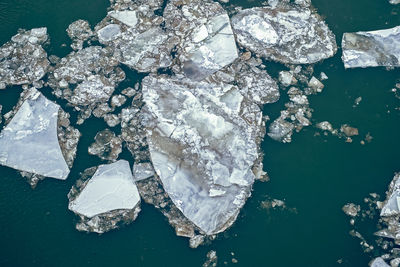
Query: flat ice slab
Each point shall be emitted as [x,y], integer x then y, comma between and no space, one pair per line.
[372,49]
[30,143]
[111,188]
[127,17]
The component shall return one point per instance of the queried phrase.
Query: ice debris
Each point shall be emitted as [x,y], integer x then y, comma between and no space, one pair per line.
[79,31]
[23,59]
[105,198]
[87,79]
[345,131]
[372,49]
[107,146]
[351,209]
[212,259]
[386,214]
[297,113]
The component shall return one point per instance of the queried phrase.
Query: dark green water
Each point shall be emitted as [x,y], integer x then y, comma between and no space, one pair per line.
[314,174]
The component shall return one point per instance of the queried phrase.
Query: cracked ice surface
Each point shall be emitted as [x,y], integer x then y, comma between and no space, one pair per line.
[111,188]
[285,33]
[30,143]
[207,42]
[136,37]
[372,49]
[207,57]
[201,148]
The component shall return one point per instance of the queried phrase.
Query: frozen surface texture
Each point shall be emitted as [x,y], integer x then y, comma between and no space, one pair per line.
[86,79]
[142,171]
[23,60]
[286,33]
[30,141]
[107,146]
[372,49]
[133,32]
[201,148]
[79,31]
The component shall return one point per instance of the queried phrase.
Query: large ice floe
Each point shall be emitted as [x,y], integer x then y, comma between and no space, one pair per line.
[372,49]
[286,33]
[38,139]
[23,59]
[201,148]
[105,197]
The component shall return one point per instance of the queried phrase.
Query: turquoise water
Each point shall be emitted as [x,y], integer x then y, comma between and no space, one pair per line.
[315,175]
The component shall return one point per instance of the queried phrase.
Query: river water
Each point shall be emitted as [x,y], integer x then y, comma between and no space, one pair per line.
[315,175]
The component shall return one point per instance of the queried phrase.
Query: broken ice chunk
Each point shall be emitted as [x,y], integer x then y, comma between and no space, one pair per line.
[142,52]
[106,146]
[109,33]
[111,188]
[207,43]
[284,33]
[23,60]
[281,130]
[79,31]
[30,140]
[378,262]
[372,49]
[127,17]
[392,205]
[142,171]
[316,85]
